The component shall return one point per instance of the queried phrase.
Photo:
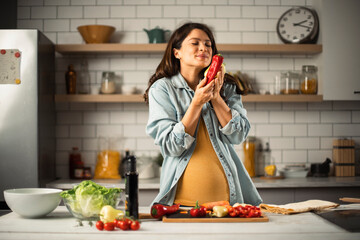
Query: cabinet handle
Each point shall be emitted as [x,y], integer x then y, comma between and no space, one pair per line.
[356,92]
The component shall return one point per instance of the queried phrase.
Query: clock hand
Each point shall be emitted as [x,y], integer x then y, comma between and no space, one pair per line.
[299,23]
[303,26]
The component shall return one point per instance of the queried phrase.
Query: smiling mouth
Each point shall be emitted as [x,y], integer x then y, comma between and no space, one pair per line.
[202,56]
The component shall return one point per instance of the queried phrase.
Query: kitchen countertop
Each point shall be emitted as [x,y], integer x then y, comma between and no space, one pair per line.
[61,225]
[309,182]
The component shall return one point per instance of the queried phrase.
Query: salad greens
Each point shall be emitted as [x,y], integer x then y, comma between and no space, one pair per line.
[88,198]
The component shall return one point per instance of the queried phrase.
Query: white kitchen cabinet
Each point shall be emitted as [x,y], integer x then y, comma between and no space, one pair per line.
[340,32]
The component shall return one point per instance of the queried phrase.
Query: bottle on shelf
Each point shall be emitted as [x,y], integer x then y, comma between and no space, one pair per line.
[131,189]
[76,165]
[70,77]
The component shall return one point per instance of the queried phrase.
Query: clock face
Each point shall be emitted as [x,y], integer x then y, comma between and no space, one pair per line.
[298,25]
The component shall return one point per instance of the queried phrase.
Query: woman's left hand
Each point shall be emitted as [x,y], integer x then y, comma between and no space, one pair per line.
[219,81]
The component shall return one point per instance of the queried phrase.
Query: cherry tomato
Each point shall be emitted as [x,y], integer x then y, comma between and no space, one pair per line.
[109,226]
[123,225]
[99,225]
[202,211]
[128,221]
[135,225]
[115,222]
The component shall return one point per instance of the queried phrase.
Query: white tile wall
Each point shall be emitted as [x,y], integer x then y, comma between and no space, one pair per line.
[297,132]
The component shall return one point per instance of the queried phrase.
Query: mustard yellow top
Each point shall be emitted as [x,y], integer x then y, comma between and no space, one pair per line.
[204,178]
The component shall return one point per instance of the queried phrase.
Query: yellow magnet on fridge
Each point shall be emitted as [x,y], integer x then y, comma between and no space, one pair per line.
[17,81]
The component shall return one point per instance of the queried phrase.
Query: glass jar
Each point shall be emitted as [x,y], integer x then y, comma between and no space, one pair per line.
[84,78]
[309,79]
[249,155]
[108,85]
[290,82]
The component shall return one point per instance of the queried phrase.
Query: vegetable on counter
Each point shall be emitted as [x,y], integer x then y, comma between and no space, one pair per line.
[88,198]
[123,223]
[214,68]
[109,214]
[159,210]
[210,205]
[198,211]
[220,211]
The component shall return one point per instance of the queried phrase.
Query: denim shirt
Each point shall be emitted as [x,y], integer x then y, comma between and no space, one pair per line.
[169,98]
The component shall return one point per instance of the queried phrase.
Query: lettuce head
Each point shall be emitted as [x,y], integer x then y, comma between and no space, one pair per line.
[88,198]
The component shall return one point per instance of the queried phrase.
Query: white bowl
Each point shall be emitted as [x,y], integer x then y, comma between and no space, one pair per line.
[32,202]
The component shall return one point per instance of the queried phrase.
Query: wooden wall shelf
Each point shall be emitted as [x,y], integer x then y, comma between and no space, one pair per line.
[138,98]
[116,48]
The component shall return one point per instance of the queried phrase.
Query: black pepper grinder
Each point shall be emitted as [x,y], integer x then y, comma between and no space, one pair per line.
[131,189]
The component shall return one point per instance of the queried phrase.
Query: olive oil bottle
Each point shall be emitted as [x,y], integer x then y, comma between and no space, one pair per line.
[131,189]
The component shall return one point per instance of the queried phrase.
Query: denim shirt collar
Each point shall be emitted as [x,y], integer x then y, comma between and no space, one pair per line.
[178,81]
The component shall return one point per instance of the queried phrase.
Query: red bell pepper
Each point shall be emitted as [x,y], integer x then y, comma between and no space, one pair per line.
[159,210]
[214,67]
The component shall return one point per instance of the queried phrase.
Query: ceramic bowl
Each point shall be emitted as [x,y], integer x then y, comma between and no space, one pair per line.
[96,33]
[32,202]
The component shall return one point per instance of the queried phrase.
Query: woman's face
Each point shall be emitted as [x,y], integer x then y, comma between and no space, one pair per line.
[195,51]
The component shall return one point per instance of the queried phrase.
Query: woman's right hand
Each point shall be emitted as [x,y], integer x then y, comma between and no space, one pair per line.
[203,92]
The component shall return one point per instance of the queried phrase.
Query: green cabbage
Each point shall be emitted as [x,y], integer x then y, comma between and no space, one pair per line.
[88,198]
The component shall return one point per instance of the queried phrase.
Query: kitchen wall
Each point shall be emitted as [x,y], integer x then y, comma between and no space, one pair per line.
[297,132]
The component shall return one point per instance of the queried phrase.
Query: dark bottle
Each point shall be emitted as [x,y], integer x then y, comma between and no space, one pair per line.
[124,163]
[131,189]
[70,78]
[76,165]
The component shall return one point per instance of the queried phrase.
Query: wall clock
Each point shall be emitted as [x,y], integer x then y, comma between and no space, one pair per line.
[298,25]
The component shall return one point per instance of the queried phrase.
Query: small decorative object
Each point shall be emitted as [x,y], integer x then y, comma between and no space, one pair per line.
[298,25]
[156,35]
[96,33]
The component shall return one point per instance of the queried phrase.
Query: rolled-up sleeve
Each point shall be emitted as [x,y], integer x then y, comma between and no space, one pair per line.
[164,124]
[237,129]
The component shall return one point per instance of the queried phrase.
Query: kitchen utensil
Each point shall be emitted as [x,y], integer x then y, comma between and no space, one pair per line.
[32,202]
[156,35]
[351,200]
[96,33]
[320,169]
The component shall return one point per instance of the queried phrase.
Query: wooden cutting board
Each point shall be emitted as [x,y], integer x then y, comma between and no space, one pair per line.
[186,218]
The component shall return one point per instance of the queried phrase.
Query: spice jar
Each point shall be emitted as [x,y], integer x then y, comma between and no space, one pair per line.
[290,82]
[249,154]
[309,79]
[108,83]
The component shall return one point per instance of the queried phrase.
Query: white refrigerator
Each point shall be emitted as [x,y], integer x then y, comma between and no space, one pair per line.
[27,112]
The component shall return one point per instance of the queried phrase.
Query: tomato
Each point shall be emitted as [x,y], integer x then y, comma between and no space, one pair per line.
[202,211]
[194,212]
[135,225]
[128,221]
[123,225]
[115,222]
[109,226]
[99,225]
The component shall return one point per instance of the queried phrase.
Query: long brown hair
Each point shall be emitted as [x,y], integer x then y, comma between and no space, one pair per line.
[170,65]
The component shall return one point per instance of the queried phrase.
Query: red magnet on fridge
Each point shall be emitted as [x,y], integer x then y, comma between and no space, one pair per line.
[3,51]
[17,54]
